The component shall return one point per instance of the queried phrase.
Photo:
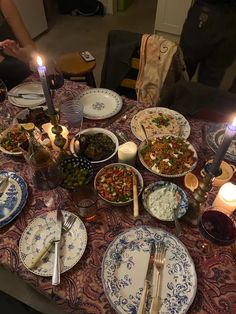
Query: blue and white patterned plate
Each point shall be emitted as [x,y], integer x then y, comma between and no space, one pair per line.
[100,103]
[161,205]
[214,137]
[14,197]
[41,231]
[125,264]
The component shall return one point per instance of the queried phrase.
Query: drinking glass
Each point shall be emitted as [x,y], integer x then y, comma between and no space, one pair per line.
[54,77]
[216,227]
[6,118]
[73,112]
[86,201]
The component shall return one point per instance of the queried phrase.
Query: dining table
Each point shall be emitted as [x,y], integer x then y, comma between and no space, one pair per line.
[81,288]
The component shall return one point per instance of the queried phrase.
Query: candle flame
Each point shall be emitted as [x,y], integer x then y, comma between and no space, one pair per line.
[39,61]
[234,122]
[228,191]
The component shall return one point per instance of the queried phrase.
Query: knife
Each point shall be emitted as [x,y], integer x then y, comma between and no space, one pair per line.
[31,96]
[3,185]
[56,265]
[148,280]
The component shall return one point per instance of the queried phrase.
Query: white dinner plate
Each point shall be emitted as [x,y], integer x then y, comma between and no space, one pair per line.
[31,87]
[125,264]
[177,124]
[100,103]
[14,197]
[41,231]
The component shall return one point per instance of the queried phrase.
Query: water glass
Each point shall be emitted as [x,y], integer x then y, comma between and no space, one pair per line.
[73,112]
[86,201]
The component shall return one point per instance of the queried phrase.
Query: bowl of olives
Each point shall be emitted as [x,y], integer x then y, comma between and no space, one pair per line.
[77,171]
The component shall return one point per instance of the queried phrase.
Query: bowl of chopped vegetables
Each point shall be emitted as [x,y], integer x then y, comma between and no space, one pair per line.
[11,138]
[96,144]
[77,171]
[168,156]
[114,183]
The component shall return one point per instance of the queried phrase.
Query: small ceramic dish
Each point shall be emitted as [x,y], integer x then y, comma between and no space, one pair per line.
[228,171]
[11,138]
[77,171]
[159,199]
[114,184]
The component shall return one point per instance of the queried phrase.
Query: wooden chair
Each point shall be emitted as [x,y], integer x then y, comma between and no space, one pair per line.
[74,68]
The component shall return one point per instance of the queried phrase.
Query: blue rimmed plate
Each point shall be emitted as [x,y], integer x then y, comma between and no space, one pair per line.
[159,199]
[14,197]
[41,231]
[100,103]
[124,268]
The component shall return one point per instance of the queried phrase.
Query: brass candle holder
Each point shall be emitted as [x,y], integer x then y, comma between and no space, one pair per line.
[59,141]
[200,195]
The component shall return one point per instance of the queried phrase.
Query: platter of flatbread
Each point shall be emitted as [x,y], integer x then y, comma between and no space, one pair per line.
[158,121]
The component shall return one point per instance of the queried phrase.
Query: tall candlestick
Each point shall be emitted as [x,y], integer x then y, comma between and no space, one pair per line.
[47,94]
[230,133]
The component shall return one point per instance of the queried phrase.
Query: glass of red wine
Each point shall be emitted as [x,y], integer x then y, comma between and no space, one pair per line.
[217,228]
[54,77]
[3,110]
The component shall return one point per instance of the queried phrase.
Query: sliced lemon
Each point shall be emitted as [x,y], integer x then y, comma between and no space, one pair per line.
[28,126]
[191,181]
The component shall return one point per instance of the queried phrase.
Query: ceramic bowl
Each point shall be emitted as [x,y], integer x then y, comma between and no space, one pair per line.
[228,171]
[74,144]
[77,171]
[113,186]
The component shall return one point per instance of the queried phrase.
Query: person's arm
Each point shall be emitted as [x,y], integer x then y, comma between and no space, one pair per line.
[26,47]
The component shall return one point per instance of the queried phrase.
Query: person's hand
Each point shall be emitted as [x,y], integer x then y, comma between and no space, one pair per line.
[11,48]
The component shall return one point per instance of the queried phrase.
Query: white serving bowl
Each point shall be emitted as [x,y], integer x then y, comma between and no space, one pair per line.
[94,131]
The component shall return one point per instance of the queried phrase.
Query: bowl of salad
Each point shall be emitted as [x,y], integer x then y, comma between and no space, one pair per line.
[114,183]
[11,138]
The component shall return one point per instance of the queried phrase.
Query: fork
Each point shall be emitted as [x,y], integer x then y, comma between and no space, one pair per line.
[66,227]
[159,264]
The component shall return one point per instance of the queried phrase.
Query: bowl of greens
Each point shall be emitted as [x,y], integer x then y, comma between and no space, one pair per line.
[95,144]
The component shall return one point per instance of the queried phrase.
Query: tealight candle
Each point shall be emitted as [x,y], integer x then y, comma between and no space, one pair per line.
[46,91]
[230,133]
[47,127]
[226,198]
[127,153]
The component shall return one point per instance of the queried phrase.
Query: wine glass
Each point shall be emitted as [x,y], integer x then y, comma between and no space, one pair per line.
[3,110]
[54,77]
[216,227]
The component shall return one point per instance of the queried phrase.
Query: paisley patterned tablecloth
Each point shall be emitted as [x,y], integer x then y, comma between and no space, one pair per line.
[81,289]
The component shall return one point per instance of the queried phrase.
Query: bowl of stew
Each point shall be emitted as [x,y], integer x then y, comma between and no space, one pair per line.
[98,145]
[114,183]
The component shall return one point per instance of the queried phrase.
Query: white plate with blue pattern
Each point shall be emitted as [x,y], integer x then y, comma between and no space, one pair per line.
[14,197]
[125,264]
[41,231]
[100,103]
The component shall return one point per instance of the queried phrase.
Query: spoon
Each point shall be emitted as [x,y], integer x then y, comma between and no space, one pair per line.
[145,133]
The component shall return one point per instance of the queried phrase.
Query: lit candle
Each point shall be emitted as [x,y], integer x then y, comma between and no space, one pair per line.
[47,127]
[127,153]
[47,94]
[230,133]
[226,198]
